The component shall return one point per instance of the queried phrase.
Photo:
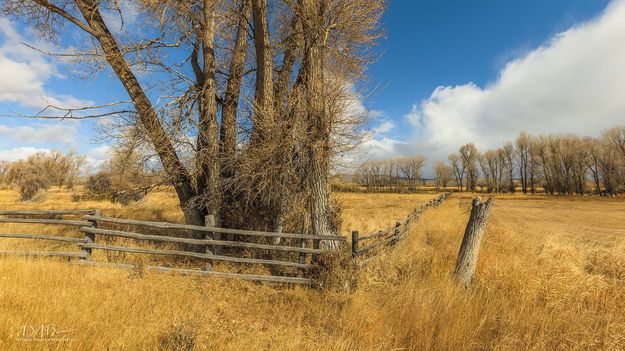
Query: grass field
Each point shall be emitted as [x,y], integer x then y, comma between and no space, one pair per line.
[551,276]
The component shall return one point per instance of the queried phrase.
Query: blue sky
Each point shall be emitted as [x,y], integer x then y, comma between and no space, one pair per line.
[450,72]
[447,43]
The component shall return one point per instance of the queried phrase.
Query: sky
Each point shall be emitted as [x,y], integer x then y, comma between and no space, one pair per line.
[448,73]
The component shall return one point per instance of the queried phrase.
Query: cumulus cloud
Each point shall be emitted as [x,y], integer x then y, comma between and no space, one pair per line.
[20,153]
[384,127]
[59,134]
[97,156]
[571,84]
[24,72]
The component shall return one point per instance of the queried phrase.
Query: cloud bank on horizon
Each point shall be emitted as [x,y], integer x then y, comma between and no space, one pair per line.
[574,83]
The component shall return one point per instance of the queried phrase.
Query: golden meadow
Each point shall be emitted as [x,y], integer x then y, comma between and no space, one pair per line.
[551,276]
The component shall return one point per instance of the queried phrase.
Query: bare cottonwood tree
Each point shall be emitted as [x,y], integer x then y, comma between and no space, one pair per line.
[244,102]
[523,143]
[458,169]
[508,156]
[469,157]
[443,174]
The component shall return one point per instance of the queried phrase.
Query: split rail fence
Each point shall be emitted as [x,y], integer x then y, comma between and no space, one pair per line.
[366,248]
[208,250]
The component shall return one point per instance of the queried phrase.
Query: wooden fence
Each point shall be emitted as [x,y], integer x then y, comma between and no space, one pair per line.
[52,217]
[209,250]
[366,248]
[207,246]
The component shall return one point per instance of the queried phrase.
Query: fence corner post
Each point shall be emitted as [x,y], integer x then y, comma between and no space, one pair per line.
[209,221]
[90,237]
[354,243]
[466,262]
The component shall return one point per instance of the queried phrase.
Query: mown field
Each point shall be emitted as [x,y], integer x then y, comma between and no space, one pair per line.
[551,276]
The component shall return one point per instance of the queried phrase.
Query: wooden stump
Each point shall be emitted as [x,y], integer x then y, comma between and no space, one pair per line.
[470,248]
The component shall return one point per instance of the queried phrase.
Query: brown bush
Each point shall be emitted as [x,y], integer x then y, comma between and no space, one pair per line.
[99,186]
[336,271]
[31,183]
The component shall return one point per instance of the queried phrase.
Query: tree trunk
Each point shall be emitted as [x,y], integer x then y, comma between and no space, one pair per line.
[157,135]
[284,74]
[319,122]
[228,135]
[470,248]
[263,100]
[207,154]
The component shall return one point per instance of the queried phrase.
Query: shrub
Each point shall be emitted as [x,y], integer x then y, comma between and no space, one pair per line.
[31,183]
[99,185]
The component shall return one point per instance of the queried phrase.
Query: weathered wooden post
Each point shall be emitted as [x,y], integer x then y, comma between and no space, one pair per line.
[209,221]
[396,233]
[470,248]
[217,249]
[354,243]
[90,237]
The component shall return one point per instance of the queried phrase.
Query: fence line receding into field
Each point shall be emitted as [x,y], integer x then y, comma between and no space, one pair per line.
[293,259]
[376,243]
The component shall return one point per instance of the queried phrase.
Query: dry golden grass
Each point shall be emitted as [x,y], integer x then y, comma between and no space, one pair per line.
[368,213]
[551,276]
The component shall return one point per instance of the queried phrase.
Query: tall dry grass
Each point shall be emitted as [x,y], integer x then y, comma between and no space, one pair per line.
[551,276]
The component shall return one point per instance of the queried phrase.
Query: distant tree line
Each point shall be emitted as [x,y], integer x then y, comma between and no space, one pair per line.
[555,164]
[125,172]
[395,175]
[42,170]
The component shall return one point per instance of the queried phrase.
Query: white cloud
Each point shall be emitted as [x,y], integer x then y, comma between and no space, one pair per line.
[380,148]
[97,156]
[130,11]
[574,83]
[384,127]
[20,153]
[60,134]
[24,72]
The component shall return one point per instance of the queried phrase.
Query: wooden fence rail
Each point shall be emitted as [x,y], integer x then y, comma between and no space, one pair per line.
[176,226]
[376,243]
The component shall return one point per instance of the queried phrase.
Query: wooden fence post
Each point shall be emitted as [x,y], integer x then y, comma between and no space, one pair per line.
[396,233]
[89,237]
[354,243]
[209,221]
[302,255]
[470,248]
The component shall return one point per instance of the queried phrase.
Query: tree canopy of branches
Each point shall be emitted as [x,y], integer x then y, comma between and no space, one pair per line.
[243,102]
